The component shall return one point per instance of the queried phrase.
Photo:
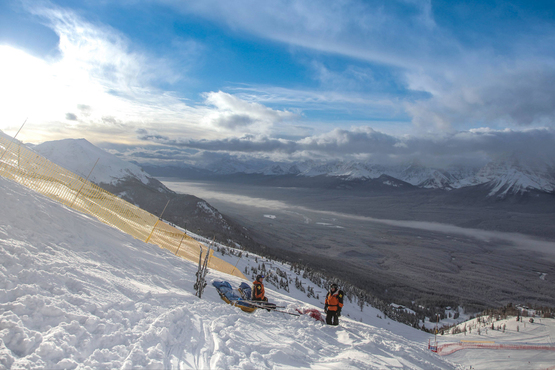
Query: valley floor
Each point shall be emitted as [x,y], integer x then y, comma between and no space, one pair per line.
[392,259]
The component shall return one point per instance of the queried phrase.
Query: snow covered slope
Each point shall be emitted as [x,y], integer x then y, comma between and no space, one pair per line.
[77,293]
[512,175]
[79,156]
[494,335]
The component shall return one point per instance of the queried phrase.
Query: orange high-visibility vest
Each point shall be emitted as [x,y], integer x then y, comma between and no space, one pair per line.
[334,301]
[258,291]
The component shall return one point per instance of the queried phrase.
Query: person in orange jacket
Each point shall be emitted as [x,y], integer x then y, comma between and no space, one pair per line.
[333,305]
[258,289]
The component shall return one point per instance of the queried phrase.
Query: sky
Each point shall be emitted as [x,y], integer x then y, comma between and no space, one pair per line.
[169,81]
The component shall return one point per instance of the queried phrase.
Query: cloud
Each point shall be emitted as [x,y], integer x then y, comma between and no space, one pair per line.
[451,70]
[389,32]
[468,147]
[84,109]
[109,84]
[373,63]
[99,77]
[510,97]
[234,114]
[246,144]
[103,53]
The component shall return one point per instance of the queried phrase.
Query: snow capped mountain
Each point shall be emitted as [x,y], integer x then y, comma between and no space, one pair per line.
[509,175]
[348,170]
[79,156]
[281,169]
[131,183]
[422,176]
[513,175]
[437,180]
[228,165]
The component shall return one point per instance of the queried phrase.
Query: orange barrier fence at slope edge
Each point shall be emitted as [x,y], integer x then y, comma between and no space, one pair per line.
[449,348]
[39,174]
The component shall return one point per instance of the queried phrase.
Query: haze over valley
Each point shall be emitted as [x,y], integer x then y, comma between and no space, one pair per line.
[399,246]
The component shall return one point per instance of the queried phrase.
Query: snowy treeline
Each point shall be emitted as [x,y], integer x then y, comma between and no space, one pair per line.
[411,314]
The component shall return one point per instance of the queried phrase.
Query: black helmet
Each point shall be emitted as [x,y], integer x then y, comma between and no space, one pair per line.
[258,277]
[333,286]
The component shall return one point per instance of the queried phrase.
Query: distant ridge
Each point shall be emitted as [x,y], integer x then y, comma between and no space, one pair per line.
[510,175]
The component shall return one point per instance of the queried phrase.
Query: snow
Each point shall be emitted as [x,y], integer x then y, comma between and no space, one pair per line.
[507,332]
[510,174]
[79,156]
[505,175]
[208,209]
[76,293]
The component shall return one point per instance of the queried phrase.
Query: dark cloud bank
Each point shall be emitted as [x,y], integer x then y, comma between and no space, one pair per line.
[369,145]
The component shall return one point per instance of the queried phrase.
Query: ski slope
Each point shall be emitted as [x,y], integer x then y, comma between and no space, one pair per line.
[76,293]
[511,344]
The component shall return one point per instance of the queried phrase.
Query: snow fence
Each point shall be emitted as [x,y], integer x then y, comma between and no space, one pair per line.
[30,169]
[449,348]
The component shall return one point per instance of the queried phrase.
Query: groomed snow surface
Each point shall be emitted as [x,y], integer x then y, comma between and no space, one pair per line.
[75,293]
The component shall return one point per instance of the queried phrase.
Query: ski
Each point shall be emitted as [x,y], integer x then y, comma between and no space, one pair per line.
[260,303]
[289,313]
[202,271]
[197,282]
[270,308]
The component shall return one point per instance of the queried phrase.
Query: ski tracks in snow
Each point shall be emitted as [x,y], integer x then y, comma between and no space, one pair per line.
[87,296]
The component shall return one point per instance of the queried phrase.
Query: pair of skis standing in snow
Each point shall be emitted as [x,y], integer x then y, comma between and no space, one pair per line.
[332,306]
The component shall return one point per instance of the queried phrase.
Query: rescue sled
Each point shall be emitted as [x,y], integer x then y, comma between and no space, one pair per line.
[312,312]
[231,296]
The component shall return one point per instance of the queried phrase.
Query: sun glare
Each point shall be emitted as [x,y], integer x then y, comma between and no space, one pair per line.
[24,80]
[51,94]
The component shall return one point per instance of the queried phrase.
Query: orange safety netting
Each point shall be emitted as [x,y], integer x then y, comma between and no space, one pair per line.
[36,172]
[449,348]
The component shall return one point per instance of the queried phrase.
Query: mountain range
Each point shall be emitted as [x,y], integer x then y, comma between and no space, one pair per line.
[505,176]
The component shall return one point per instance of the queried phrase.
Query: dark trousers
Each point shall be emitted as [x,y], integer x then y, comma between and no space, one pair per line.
[332,318]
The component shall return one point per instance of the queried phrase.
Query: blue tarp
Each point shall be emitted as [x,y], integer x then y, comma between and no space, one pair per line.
[225,289]
[246,290]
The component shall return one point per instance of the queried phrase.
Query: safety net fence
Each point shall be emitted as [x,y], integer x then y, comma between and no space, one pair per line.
[30,169]
[449,348]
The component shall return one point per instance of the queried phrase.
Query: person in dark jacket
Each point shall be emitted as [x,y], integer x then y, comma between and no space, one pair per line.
[258,289]
[333,305]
